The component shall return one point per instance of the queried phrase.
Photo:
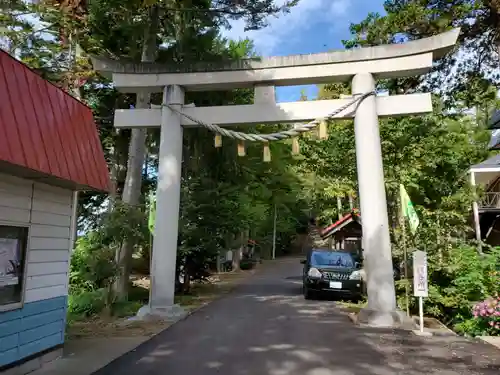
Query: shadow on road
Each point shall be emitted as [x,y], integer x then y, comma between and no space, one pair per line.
[265,327]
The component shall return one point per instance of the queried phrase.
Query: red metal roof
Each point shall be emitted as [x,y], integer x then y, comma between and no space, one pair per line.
[351,216]
[46,130]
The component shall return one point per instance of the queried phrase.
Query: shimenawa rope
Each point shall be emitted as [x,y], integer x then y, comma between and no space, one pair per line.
[297,130]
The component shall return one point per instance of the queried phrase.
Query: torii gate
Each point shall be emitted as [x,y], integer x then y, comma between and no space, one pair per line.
[361,66]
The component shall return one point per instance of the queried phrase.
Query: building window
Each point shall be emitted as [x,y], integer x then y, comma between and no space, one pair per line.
[13,245]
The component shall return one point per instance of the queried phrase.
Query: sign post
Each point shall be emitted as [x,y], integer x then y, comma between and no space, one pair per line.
[420,286]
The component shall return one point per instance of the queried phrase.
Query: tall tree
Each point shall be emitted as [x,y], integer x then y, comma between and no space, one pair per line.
[136,155]
[43,33]
[475,60]
[189,21]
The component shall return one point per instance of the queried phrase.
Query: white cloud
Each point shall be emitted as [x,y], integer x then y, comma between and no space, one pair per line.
[339,7]
[288,27]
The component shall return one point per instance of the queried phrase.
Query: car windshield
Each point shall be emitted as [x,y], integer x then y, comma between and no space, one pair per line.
[332,258]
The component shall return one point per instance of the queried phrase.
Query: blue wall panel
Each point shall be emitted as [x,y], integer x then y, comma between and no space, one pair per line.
[9,342]
[9,356]
[36,327]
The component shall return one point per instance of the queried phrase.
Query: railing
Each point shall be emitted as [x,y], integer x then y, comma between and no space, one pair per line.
[490,200]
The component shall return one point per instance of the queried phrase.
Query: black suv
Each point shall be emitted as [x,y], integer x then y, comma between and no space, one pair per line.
[332,271]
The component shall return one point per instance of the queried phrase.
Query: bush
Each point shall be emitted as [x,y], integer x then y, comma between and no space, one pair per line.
[459,278]
[123,309]
[92,266]
[464,280]
[87,303]
[246,265]
[487,315]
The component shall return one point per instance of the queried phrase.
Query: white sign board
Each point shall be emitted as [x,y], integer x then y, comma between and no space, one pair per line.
[420,286]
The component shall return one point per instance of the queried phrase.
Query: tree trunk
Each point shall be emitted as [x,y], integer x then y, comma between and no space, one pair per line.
[75,90]
[218,264]
[246,238]
[113,176]
[237,253]
[188,270]
[228,249]
[136,158]
[237,259]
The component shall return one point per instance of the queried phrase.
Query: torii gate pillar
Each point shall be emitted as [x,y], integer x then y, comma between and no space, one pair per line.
[168,191]
[382,310]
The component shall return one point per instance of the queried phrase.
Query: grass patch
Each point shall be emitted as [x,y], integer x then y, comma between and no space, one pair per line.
[352,307]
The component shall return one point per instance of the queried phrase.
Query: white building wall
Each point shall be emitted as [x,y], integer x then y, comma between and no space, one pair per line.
[47,211]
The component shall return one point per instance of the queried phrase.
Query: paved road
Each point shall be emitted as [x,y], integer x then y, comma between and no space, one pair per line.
[265,327]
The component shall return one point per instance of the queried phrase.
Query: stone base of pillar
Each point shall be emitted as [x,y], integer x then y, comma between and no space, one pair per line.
[417,332]
[170,313]
[385,319]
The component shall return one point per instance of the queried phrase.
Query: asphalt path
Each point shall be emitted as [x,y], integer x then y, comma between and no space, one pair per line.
[265,327]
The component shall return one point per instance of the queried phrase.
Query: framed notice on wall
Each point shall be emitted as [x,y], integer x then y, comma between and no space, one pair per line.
[13,246]
[9,261]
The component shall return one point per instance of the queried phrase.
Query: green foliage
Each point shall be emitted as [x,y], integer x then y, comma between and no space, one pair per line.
[486,320]
[459,277]
[474,62]
[246,264]
[93,261]
[56,38]
[465,277]
[223,195]
[93,267]
[86,303]
[431,154]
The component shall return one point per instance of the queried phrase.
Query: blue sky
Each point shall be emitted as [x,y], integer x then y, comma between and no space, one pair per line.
[312,26]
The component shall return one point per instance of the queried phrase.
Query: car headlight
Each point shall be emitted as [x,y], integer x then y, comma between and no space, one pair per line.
[314,272]
[355,275]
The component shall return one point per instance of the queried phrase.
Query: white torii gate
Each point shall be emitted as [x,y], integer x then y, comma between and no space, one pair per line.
[360,66]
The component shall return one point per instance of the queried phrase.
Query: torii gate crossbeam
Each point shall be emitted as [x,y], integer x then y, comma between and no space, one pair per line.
[362,66]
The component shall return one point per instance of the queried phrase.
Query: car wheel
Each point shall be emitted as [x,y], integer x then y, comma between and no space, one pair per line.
[307,293]
[356,299]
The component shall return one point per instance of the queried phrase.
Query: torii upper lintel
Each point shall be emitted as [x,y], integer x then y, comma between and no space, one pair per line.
[386,61]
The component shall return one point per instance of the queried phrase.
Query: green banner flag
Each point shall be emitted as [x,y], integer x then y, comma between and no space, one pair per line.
[407,209]
[152,213]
